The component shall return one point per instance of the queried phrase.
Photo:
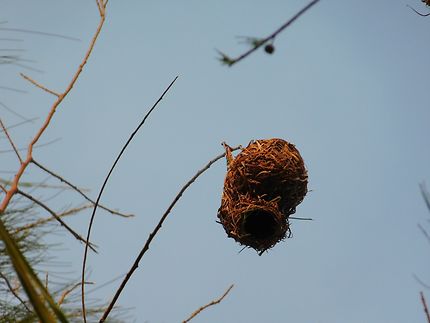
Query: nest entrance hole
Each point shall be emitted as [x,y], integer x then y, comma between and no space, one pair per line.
[260,224]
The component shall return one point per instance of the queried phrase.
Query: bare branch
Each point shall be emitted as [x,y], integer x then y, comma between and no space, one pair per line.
[68,291]
[21,123]
[14,293]
[154,233]
[214,302]
[35,146]
[424,232]
[421,282]
[40,86]
[52,218]
[42,205]
[14,187]
[423,300]
[30,31]
[4,106]
[74,187]
[298,218]
[417,12]
[425,194]
[10,140]
[84,262]
[231,61]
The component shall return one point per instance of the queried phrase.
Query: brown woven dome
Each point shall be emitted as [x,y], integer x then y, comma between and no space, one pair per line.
[263,186]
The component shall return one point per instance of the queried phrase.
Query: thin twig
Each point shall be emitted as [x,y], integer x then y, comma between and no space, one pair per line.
[421,282]
[423,300]
[419,13]
[424,232]
[14,187]
[51,218]
[22,122]
[40,86]
[35,146]
[154,233]
[425,194]
[34,184]
[10,140]
[74,187]
[267,39]
[68,291]
[4,106]
[214,302]
[84,262]
[298,218]
[30,31]
[14,293]
[55,215]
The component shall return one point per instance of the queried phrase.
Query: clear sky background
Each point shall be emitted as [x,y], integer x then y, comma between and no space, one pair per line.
[347,84]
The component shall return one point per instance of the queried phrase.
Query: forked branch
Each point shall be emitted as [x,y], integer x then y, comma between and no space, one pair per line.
[155,231]
[260,42]
[84,261]
[214,302]
[58,218]
[75,188]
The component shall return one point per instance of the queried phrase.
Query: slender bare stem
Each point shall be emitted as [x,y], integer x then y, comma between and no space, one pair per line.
[272,36]
[421,282]
[14,293]
[74,187]
[55,215]
[154,233]
[419,13]
[40,86]
[69,290]
[214,302]
[51,218]
[10,140]
[14,187]
[426,311]
[84,262]
[298,218]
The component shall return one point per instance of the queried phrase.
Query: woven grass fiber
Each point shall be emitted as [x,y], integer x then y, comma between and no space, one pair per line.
[264,184]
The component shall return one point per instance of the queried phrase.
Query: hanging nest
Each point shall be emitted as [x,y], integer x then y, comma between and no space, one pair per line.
[263,186]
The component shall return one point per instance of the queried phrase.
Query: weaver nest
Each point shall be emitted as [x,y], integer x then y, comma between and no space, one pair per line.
[263,186]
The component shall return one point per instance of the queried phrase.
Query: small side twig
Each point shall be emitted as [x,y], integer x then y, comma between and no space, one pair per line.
[74,187]
[154,233]
[40,86]
[424,232]
[84,261]
[55,215]
[51,218]
[214,302]
[68,291]
[421,282]
[231,61]
[298,218]
[417,12]
[10,140]
[425,194]
[14,293]
[426,311]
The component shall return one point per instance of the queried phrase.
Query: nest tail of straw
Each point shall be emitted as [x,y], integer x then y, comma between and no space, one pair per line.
[263,186]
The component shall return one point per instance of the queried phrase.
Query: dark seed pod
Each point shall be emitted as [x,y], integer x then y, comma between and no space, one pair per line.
[269,48]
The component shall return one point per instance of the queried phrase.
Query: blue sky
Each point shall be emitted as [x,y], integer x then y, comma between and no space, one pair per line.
[347,84]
